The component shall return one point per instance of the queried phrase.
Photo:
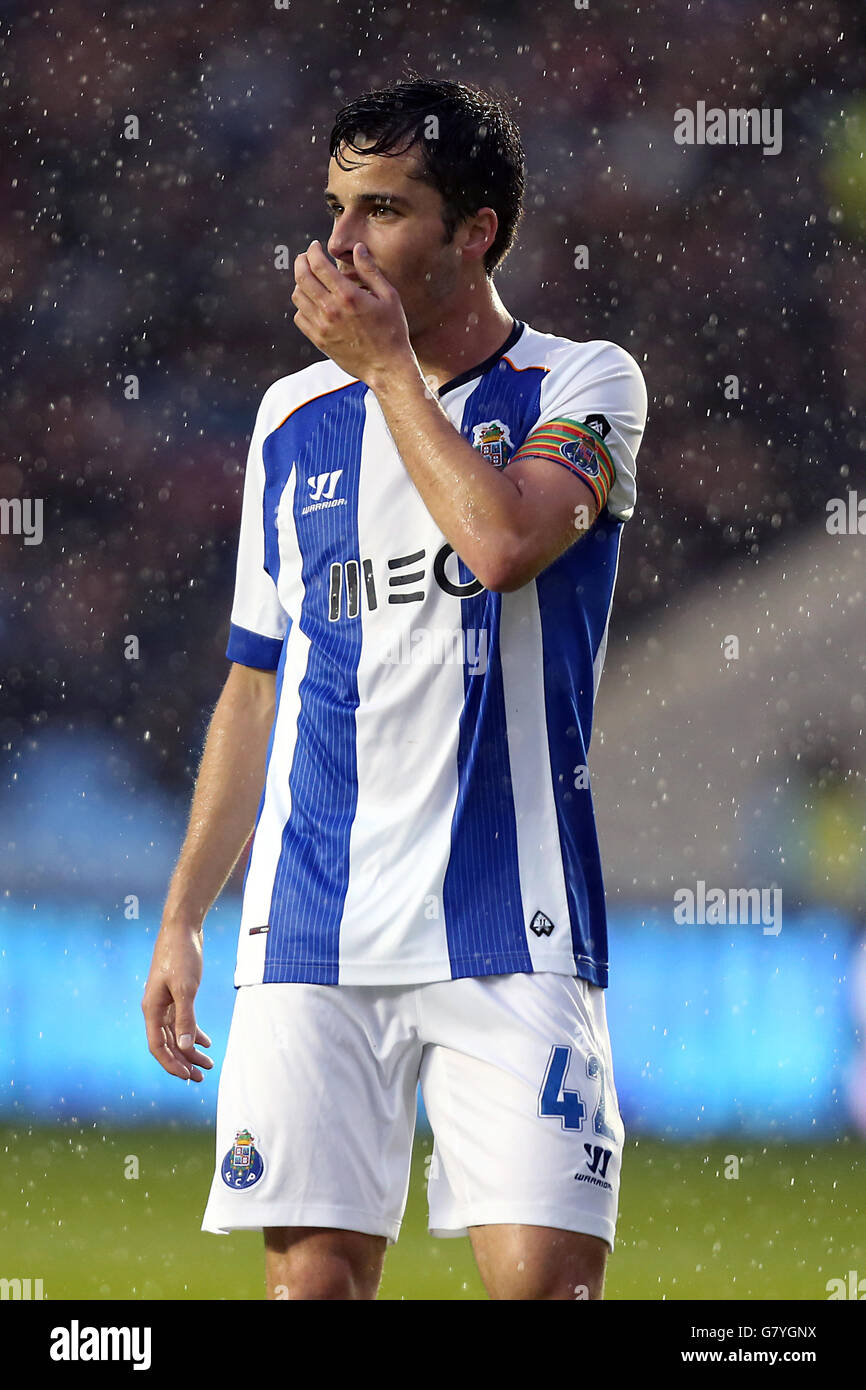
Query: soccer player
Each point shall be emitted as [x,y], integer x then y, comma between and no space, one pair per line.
[428,548]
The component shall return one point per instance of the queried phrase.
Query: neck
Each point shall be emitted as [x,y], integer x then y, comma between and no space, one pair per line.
[462,336]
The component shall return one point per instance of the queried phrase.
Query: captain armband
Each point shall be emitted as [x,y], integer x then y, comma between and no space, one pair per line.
[576,447]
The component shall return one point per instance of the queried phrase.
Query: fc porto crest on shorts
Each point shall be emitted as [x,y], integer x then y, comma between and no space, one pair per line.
[243,1164]
[493,442]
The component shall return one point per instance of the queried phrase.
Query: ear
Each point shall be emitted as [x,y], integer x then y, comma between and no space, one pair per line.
[479,233]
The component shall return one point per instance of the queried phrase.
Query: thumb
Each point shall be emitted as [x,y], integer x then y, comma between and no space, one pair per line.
[184,1023]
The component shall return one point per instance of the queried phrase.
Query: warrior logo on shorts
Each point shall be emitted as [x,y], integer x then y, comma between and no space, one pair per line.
[242,1165]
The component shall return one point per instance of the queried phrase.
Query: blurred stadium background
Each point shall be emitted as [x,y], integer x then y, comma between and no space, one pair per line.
[155,257]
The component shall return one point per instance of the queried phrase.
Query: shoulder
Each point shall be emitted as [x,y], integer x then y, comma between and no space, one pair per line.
[288,393]
[568,357]
[597,375]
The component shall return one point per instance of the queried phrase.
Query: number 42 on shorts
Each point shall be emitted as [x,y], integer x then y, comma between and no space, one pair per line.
[556,1101]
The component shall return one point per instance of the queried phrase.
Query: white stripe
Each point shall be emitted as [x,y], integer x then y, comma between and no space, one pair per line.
[393,910]
[267,844]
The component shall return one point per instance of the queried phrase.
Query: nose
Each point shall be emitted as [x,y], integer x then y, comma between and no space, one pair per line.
[344,235]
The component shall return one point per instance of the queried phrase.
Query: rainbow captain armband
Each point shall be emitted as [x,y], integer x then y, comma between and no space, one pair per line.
[575,446]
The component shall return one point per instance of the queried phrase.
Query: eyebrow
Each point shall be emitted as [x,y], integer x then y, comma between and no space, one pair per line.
[394,198]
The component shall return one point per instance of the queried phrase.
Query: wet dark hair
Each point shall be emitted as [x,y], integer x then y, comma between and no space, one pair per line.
[471,152]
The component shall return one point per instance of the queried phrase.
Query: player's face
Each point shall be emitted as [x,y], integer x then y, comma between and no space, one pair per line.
[399,219]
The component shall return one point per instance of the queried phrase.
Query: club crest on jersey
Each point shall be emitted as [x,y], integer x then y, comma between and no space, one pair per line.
[243,1164]
[493,442]
[582,453]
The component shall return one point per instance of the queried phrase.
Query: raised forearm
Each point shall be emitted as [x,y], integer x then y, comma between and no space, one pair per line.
[475,505]
[226,797]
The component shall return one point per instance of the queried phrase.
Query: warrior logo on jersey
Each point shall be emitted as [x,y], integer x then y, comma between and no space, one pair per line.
[243,1164]
[493,442]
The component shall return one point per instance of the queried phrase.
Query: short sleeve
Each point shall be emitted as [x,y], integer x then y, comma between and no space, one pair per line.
[258,620]
[591,420]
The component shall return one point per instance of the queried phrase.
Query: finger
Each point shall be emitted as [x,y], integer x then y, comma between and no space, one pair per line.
[162,1035]
[184,1061]
[157,1043]
[369,272]
[201,1059]
[326,272]
[307,282]
[185,1026]
[182,1068]
[161,1048]
[202,1040]
[187,1054]
[302,300]
[307,326]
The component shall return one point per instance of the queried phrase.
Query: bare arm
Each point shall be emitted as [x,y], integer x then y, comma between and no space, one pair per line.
[227,792]
[223,811]
[507,525]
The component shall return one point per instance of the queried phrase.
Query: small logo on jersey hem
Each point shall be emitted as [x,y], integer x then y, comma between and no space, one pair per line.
[493,442]
[243,1165]
[258,931]
[541,924]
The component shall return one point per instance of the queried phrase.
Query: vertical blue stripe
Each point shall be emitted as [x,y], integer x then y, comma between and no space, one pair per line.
[574,598]
[313,871]
[481,893]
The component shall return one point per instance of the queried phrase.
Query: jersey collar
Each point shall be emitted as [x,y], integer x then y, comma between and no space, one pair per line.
[517,328]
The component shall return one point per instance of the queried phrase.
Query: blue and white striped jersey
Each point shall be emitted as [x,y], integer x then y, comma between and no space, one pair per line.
[426,812]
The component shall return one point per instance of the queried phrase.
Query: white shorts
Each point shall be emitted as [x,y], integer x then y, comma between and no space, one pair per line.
[317,1100]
